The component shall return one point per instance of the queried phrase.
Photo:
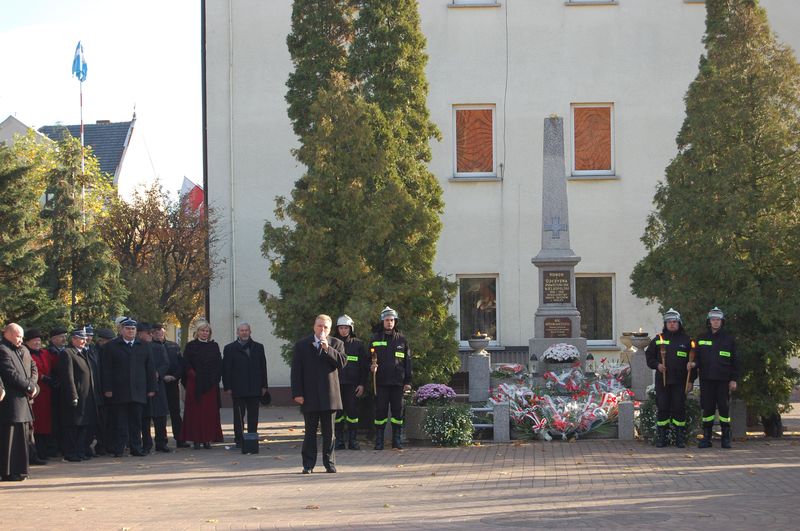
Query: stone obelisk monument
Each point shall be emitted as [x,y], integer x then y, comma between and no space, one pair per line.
[557,319]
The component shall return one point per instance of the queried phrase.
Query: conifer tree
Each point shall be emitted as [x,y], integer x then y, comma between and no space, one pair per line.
[22,264]
[82,273]
[726,229]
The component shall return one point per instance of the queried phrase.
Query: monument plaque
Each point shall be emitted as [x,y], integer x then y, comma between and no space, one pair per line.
[557,327]
[556,286]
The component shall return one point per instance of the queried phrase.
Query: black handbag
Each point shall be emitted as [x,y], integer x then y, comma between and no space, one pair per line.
[266,398]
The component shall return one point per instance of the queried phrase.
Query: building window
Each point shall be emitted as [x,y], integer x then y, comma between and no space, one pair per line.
[474,141]
[477,303]
[593,139]
[594,297]
[474,3]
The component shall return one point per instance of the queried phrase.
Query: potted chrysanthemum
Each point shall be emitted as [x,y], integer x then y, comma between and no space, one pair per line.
[415,413]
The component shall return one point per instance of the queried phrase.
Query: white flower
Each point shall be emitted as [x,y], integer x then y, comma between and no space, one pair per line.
[561,352]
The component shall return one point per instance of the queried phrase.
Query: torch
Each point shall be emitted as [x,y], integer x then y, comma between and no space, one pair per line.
[373,367]
[662,349]
[692,355]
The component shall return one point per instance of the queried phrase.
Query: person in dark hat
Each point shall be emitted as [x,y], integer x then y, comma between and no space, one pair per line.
[106,424]
[96,431]
[155,412]
[78,400]
[56,345]
[174,374]
[129,378]
[43,405]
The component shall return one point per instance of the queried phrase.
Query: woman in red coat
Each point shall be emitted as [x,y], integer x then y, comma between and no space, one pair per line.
[43,403]
[201,421]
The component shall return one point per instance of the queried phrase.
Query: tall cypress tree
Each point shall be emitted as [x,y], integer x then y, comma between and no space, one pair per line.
[22,264]
[321,33]
[82,273]
[726,230]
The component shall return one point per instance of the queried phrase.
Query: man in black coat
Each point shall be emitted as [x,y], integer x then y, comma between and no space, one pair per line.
[97,431]
[315,386]
[156,410]
[244,377]
[174,373]
[78,401]
[129,378]
[19,375]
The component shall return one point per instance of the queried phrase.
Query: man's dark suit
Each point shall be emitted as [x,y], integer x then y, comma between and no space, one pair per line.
[315,377]
[19,374]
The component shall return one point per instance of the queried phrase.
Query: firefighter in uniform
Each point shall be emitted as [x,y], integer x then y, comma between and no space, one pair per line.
[351,382]
[392,379]
[670,399]
[718,366]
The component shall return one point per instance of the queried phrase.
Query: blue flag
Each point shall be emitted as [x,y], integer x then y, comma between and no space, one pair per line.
[79,63]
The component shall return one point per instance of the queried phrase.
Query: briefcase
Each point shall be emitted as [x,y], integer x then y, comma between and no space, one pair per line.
[250,443]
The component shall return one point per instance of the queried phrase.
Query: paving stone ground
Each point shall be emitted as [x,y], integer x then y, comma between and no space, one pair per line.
[597,484]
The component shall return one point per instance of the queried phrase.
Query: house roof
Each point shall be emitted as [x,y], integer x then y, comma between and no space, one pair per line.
[107,139]
[12,126]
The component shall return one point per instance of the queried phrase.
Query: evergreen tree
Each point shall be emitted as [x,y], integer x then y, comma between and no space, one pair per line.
[22,183]
[726,230]
[82,273]
[321,33]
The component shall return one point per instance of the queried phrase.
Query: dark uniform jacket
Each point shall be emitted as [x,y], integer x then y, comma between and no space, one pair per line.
[315,374]
[95,362]
[176,363]
[244,369]
[157,405]
[128,372]
[77,383]
[394,358]
[18,372]
[716,356]
[678,346]
[357,368]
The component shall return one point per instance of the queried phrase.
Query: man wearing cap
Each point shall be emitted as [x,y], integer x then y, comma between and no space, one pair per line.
[129,378]
[57,344]
[106,425]
[718,365]
[352,379]
[78,402]
[392,378]
[670,398]
[171,379]
[19,376]
[96,431]
[43,405]
[244,377]
[156,410]
[316,360]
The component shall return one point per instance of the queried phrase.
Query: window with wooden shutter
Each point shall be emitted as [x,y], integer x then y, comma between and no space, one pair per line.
[474,141]
[593,137]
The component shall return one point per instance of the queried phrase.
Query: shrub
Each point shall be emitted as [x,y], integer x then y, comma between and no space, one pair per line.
[449,424]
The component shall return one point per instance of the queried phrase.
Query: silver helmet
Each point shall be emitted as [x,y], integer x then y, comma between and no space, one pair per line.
[346,320]
[715,313]
[388,312]
[672,315]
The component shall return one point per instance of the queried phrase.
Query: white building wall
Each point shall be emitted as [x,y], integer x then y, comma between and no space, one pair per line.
[639,55]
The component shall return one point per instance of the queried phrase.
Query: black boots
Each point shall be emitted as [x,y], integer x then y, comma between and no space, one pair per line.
[379,437]
[397,432]
[352,442]
[726,436]
[661,436]
[705,442]
[680,436]
[339,435]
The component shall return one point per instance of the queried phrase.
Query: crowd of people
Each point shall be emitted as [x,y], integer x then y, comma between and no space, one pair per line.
[90,393]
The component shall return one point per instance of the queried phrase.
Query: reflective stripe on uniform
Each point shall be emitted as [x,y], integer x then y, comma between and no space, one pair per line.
[704,342]
[681,354]
[379,344]
[709,418]
[397,421]
[726,420]
[340,419]
[381,422]
[724,353]
[662,341]
[352,358]
[662,422]
[680,423]
[399,354]
[352,420]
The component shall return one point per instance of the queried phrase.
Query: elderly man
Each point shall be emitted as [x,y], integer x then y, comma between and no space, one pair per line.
[171,379]
[129,378]
[157,409]
[78,398]
[19,376]
[316,362]
[244,377]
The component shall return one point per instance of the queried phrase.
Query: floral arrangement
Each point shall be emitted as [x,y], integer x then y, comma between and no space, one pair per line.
[646,421]
[479,335]
[449,424]
[587,407]
[508,370]
[434,394]
[561,353]
[608,372]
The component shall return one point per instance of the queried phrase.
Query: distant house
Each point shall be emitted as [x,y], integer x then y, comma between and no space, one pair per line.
[121,153]
[10,127]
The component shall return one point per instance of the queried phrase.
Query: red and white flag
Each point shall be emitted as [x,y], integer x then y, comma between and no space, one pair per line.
[193,194]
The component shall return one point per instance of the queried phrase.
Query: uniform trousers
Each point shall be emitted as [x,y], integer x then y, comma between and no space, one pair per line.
[713,398]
